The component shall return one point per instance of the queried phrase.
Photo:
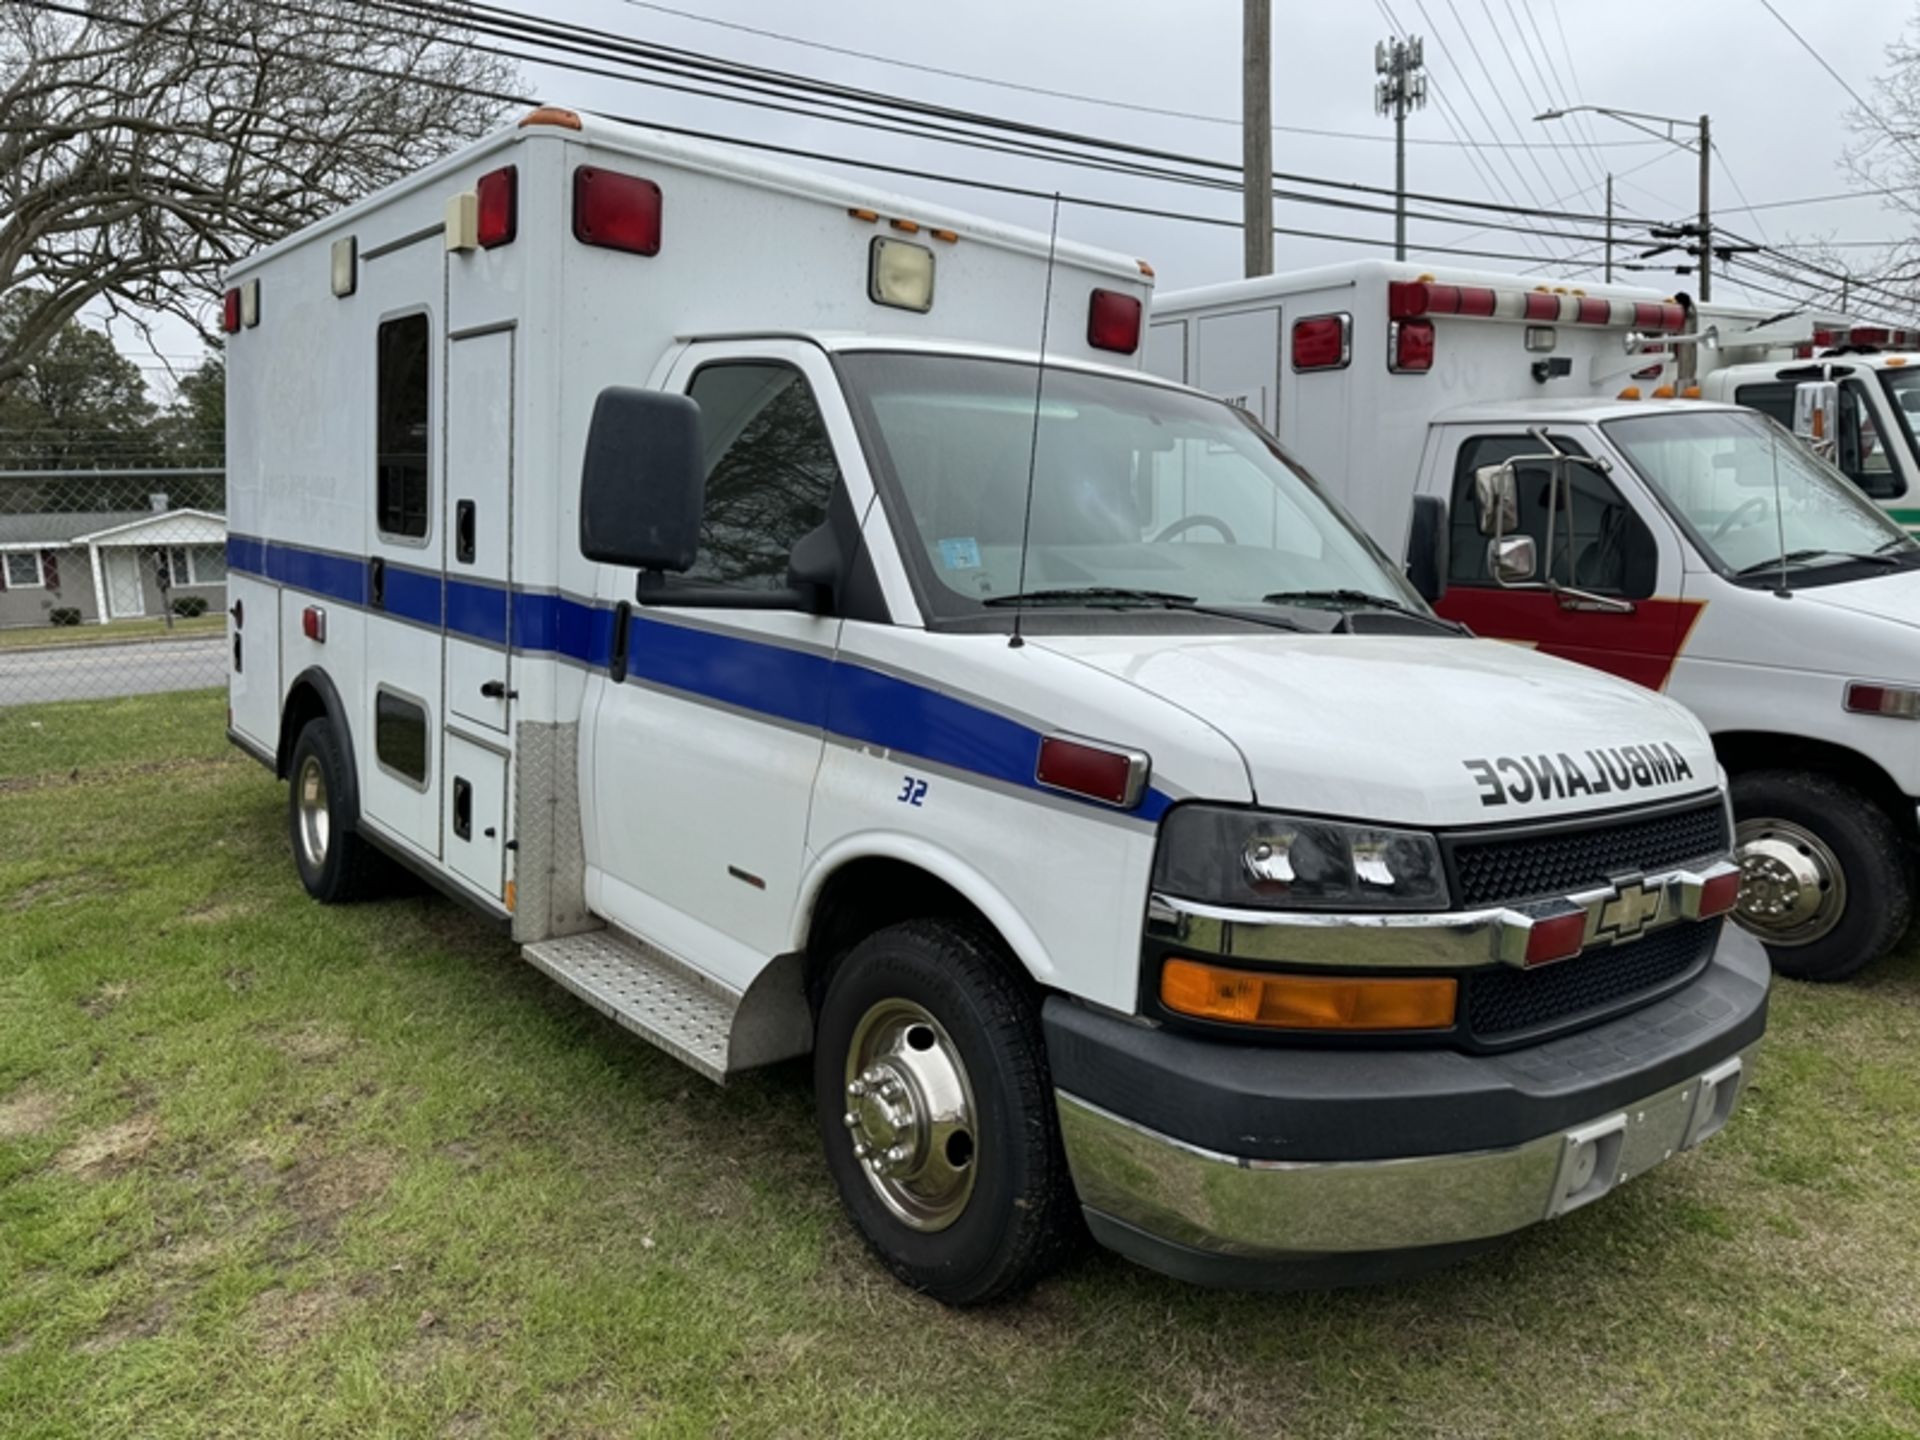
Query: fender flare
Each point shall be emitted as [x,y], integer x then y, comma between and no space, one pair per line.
[943,865]
[321,683]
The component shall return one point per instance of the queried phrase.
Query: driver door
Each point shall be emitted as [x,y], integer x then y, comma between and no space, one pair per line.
[1621,546]
[704,756]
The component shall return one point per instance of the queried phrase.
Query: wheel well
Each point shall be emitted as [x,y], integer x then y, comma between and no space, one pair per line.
[1757,750]
[304,703]
[864,896]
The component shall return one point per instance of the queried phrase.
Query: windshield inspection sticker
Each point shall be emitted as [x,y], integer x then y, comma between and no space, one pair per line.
[1530,778]
[961,554]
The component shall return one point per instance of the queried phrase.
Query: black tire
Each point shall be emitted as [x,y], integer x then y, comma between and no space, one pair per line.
[343,867]
[1020,1216]
[1875,867]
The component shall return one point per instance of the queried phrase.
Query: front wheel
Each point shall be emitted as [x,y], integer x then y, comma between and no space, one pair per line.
[1826,880]
[937,1112]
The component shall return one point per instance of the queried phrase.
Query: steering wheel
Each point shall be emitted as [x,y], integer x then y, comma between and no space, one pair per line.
[1194,522]
[1752,502]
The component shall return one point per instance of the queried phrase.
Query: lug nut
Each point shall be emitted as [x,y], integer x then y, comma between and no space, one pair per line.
[897,1155]
[850,1120]
[860,1151]
[856,1088]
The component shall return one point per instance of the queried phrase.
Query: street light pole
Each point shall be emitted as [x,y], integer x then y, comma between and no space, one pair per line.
[1704,146]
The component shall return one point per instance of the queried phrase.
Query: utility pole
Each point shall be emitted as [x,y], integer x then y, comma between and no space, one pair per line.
[1256,124]
[1402,87]
[1609,228]
[1706,211]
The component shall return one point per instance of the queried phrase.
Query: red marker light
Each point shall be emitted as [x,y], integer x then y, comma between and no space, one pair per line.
[1113,322]
[499,192]
[1113,777]
[615,211]
[313,624]
[230,312]
[1557,938]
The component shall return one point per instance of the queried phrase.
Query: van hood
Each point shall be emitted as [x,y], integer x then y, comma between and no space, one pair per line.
[1894,596]
[1436,731]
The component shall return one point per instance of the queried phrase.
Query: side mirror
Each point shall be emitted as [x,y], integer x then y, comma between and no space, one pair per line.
[1511,559]
[1816,415]
[1427,548]
[643,482]
[1496,499]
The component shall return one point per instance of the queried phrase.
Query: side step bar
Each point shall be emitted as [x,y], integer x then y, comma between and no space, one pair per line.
[649,992]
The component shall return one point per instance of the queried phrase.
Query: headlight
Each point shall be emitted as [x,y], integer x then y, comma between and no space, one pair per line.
[1287,862]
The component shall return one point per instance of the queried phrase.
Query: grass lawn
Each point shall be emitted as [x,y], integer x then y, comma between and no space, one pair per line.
[117,633]
[268,1169]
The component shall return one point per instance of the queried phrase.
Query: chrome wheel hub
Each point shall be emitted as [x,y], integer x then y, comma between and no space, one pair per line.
[1792,889]
[910,1114]
[314,822]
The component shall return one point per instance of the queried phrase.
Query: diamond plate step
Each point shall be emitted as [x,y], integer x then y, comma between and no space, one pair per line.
[649,992]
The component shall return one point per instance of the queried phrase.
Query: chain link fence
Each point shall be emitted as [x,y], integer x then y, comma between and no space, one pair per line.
[112,582]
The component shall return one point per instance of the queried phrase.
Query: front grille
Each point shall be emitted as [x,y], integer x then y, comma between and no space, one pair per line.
[1526,866]
[1505,1001]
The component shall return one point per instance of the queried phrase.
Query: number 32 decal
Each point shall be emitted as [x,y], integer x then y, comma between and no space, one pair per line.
[913,791]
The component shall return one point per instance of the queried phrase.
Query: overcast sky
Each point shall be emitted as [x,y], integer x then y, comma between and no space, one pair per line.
[1779,120]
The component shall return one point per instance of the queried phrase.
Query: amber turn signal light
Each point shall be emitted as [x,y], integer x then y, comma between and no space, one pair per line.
[1306,1002]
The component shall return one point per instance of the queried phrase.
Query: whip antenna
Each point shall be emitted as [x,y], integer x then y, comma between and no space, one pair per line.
[1779,515]
[1033,440]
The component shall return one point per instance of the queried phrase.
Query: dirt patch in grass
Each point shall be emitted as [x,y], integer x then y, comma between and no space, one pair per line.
[218,913]
[28,1112]
[118,774]
[285,1319]
[104,1001]
[57,890]
[322,1191]
[313,1044]
[111,1150]
[121,1330]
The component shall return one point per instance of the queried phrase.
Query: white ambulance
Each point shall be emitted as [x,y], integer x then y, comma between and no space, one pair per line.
[687,561]
[1872,437]
[1578,506]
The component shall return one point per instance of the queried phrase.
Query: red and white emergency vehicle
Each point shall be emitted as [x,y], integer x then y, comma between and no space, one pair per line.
[1541,457]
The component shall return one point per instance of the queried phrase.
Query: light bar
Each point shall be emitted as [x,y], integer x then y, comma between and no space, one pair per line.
[1416,299]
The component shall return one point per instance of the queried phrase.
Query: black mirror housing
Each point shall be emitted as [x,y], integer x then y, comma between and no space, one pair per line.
[643,481]
[1427,548]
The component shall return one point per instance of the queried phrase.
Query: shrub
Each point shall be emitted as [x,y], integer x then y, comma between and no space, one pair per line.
[188,606]
[63,615]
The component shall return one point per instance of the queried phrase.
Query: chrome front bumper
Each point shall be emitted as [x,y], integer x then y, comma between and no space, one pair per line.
[1230,1206]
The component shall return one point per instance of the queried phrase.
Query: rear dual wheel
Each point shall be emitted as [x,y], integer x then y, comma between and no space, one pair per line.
[335,864]
[937,1112]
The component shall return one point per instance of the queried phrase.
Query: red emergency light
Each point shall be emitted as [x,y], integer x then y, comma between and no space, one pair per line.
[1323,342]
[615,211]
[1113,322]
[1410,347]
[230,312]
[499,207]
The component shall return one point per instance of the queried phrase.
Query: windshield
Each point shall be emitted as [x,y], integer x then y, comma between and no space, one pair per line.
[1750,492]
[1136,488]
[1903,385]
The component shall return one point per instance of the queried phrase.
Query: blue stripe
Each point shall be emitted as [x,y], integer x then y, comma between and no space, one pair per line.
[837,696]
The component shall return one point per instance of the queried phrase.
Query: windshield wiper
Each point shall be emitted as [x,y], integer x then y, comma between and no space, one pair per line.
[1119,597]
[1350,599]
[1800,557]
[1092,595]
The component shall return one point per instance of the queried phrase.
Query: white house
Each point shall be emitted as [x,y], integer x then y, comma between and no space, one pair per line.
[109,565]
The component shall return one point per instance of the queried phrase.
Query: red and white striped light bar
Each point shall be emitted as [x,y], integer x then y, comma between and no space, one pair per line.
[1413,299]
[1880,335]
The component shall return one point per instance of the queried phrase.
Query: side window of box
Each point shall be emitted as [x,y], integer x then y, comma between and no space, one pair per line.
[403,386]
[400,736]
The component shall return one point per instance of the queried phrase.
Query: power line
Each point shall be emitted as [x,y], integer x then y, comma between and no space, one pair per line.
[1014,85]
[1840,80]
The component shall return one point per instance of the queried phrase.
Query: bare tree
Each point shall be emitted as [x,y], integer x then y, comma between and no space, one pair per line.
[1885,157]
[145,145]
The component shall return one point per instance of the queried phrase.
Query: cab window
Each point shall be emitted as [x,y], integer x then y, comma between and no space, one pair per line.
[770,472]
[1611,551]
[1861,451]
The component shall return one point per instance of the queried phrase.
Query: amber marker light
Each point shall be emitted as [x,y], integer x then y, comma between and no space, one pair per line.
[1306,1002]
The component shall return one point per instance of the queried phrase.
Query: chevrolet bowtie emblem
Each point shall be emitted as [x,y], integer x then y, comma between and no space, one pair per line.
[1628,913]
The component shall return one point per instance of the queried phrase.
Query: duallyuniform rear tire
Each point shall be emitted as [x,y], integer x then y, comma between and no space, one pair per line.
[335,863]
[1826,878]
[937,1112]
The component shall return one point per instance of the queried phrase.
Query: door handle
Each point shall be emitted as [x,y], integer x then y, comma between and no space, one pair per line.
[463,527]
[617,657]
[497,690]
[462,808]
[377,583]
